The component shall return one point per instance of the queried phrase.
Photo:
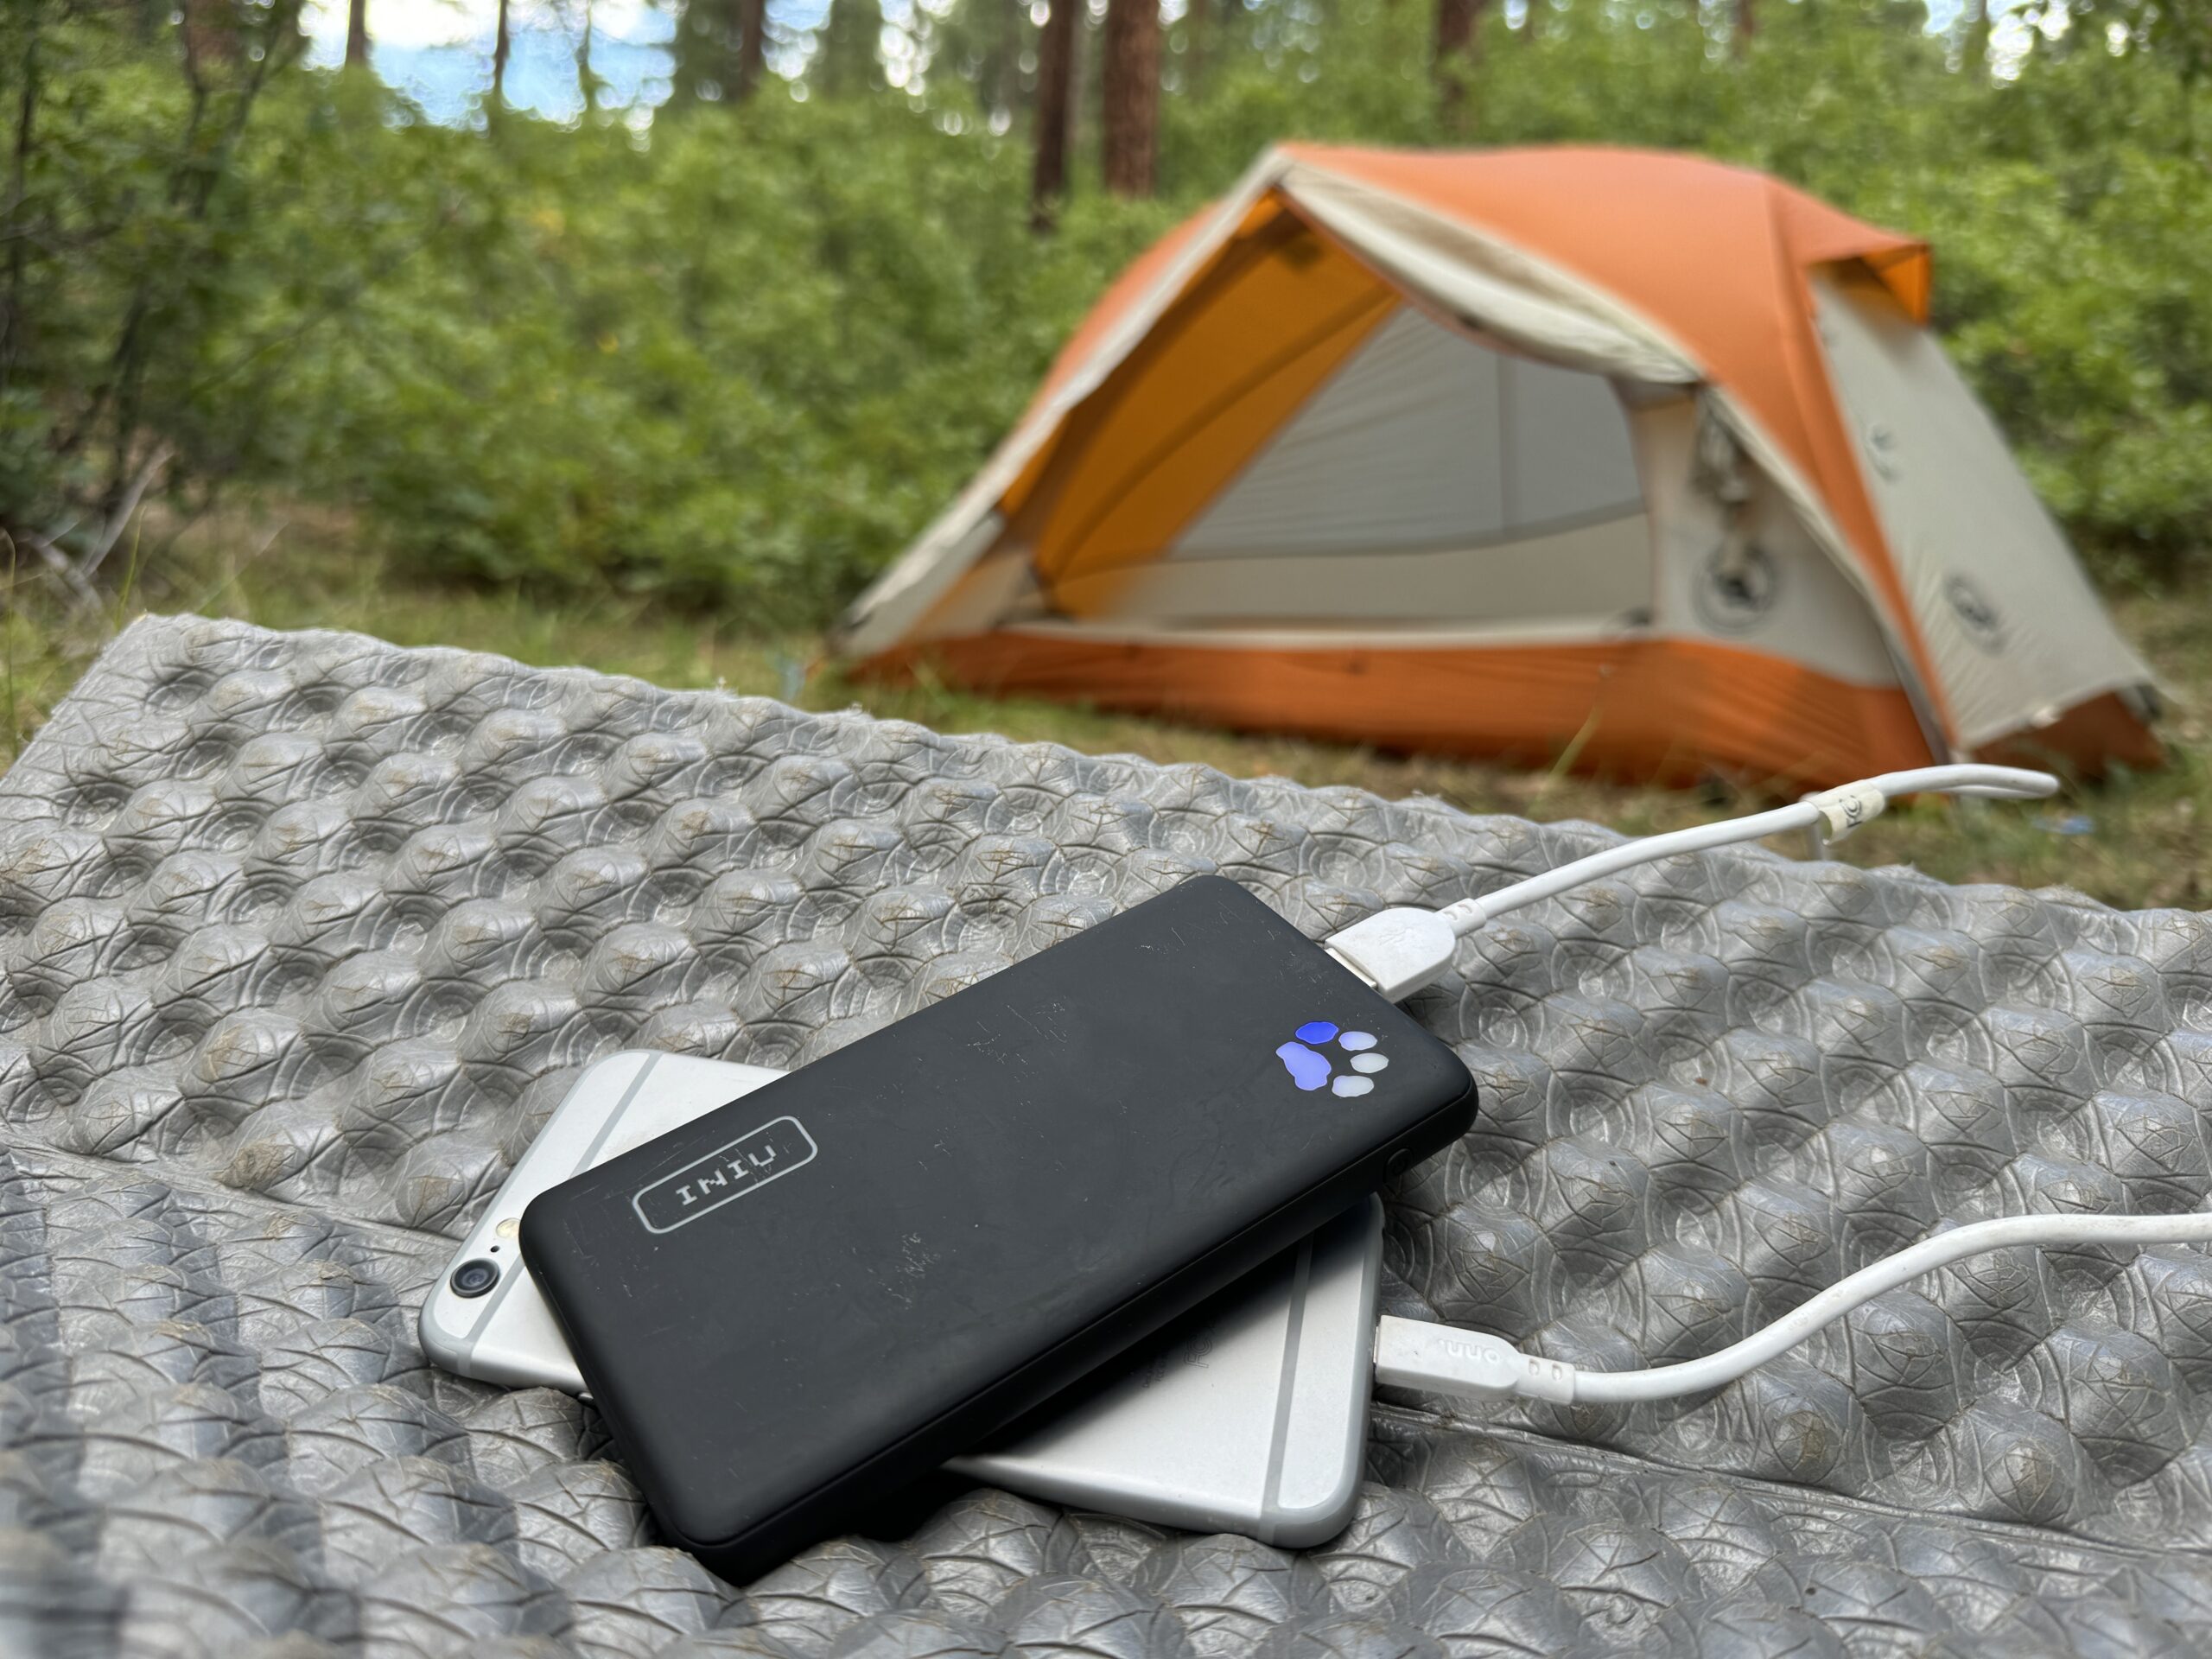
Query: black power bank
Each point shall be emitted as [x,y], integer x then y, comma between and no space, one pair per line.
[793,1306]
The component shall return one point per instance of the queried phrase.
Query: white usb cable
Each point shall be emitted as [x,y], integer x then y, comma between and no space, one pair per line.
[1400,949]
[1444,1360]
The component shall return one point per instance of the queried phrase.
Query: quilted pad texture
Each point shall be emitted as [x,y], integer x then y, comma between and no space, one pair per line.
[302,936]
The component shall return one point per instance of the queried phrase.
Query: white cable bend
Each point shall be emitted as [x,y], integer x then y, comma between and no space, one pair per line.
[1414,1355]
[1470,913]
[1996,783]
[1400,949]
[1869,795]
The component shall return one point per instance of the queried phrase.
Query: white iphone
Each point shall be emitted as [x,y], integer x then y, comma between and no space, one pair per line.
[1248,1415]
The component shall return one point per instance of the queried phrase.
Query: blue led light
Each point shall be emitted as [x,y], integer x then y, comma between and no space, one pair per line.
[1311,1059]
[1308,1070]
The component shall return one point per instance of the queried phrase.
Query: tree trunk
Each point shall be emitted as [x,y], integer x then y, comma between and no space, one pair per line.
[1455,54]
[12,303]
[211,33]
[1130,101]
[1048,177]
[1747,24]
[356,35]
[1975,54]
[705,49]
[848,59]
[586,82]
[1455,29]
[751,46]
[502,46]
[1001,81]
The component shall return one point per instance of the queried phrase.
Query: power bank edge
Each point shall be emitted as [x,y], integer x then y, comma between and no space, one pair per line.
[1243,955]
[743,1556]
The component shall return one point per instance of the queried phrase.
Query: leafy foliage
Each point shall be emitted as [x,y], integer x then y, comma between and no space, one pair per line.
[738,357]
[744,373]
[120,246]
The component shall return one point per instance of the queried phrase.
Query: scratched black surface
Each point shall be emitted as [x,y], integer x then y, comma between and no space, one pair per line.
[1013,1185]
[301,936]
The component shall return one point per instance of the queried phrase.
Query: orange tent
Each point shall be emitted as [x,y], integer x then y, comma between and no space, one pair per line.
[1635,459]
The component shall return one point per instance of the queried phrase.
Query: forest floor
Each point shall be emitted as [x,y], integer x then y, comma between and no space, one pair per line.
[2133,841]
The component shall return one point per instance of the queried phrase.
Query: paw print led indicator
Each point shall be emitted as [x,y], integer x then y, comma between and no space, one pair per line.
[1308,1070]
[1311,1065]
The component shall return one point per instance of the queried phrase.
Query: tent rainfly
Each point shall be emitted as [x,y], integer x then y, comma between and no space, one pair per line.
[1632,460]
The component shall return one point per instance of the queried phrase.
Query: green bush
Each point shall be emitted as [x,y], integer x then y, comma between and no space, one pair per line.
[740,363]
[740,358]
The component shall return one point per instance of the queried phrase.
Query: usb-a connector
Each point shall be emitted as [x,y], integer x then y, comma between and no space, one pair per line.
[1400,949]
[1396,950]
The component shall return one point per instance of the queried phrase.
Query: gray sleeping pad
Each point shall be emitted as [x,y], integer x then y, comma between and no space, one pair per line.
[301,936]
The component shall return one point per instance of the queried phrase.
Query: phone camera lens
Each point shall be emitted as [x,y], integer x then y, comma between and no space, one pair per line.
[474,1278]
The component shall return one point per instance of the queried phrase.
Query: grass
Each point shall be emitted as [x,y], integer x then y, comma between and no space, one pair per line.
[2132,841]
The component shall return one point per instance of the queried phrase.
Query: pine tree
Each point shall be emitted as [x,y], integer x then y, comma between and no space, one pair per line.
[1130,86]
[849,49]
[1048,177]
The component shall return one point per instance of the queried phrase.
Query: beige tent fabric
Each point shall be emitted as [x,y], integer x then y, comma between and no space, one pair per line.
[1576,582]
[1426,438]
[2018,634]
[1482,278]
[1788,597]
